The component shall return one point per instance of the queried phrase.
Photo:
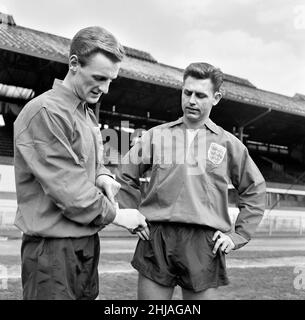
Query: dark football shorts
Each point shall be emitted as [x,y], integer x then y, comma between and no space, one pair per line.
[181,254]
[60,268]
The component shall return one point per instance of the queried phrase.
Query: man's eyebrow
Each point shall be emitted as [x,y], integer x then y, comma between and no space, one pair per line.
[99,76]
[196,92]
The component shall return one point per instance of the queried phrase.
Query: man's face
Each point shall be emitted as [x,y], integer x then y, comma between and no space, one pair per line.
[197,99]
[93,79]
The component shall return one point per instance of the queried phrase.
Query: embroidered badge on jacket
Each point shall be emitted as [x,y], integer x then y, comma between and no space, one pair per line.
[216,153]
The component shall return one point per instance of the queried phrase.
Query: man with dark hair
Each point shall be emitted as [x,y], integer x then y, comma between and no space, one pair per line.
[193,161]
[65,195]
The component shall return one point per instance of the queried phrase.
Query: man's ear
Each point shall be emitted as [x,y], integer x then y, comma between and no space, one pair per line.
[217,97]
[73,63]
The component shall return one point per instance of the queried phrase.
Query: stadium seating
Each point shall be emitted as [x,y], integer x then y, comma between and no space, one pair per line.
[279,168]
[6,143]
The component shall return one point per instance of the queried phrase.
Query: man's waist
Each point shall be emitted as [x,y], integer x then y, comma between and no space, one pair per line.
[196,219]
[53,227]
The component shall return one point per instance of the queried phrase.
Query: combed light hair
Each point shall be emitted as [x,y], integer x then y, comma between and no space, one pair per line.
[92,40]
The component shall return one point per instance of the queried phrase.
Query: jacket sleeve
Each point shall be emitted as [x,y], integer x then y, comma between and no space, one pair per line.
[46,148]
[133,165]
[251,187]
[101,170]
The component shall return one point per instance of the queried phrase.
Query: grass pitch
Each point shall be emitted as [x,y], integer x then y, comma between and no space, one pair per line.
[271,283]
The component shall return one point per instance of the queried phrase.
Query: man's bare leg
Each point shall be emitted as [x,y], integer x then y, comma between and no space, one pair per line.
[208,294]
[150,290]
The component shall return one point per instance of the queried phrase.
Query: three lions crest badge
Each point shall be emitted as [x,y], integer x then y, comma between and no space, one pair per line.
[216,153]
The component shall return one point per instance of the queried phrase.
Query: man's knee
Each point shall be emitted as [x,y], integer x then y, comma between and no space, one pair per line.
[208,294]
[151,290]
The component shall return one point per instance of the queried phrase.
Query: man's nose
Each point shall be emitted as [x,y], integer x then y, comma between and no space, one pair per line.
[104,87]
[192,99]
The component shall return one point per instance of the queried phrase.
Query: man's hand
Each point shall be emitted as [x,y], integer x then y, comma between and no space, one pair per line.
[225,243]
[132,220]
[108,185]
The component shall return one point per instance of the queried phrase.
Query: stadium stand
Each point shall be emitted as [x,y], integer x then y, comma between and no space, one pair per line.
[6,143]
[280,168]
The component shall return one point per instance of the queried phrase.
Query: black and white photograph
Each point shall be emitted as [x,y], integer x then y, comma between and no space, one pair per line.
[152,150]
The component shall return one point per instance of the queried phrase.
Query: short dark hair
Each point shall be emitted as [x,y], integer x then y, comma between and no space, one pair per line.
[203,70]
[92,40]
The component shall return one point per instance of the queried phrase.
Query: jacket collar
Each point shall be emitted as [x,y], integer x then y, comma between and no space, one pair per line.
[209,124]
[67,94]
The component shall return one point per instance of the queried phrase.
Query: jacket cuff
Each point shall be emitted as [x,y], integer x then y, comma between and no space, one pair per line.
[104,171]
[101,220]
[238,240]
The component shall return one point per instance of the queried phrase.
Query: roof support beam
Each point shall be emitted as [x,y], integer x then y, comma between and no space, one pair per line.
[241,134]
[131,117]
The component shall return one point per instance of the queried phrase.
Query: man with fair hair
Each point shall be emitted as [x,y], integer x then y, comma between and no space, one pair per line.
[65,195]
[186,202]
